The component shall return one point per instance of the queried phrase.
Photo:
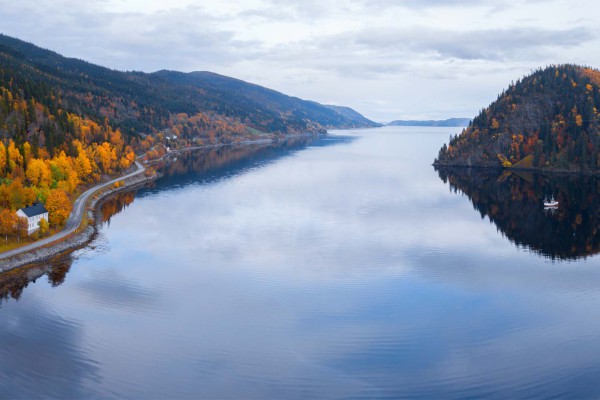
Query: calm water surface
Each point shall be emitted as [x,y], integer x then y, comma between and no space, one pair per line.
[343,267]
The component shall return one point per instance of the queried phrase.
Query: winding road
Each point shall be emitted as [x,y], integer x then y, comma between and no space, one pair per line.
[75,217]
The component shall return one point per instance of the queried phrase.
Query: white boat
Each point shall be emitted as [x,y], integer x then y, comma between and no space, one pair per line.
[550,202]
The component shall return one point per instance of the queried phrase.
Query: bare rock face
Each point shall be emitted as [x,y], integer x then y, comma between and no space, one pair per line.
[548,120]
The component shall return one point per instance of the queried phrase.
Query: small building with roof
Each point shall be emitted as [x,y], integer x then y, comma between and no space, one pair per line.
[34,215]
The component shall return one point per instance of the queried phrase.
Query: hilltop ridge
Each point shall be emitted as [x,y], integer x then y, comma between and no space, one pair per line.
[137,102]
[548,121]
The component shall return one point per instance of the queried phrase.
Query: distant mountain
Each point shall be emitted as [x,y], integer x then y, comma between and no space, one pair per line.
[267,108]
[452,122]
[353,115]
[548,120]
[147,102]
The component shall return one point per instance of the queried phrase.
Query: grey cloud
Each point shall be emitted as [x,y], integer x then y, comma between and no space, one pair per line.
[267,13]
[312,59]
[496,44]
[302,9]
[191,38]
[435,53]
[491,5]
[172,39]
[320,9]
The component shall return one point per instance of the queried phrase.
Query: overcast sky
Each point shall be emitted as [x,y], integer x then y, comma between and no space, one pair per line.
[387,59]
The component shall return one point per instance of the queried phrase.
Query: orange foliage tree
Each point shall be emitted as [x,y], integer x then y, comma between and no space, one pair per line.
[59,207]
[8,221]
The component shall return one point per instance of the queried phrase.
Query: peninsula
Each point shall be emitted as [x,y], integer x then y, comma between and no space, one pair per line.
[546,121]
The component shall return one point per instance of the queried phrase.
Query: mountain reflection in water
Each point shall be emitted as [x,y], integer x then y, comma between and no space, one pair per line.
[224,162]
[214,164]
[513,201]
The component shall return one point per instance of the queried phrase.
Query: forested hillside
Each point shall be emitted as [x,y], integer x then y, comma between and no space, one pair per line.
[261,108]
[548,120]
[359,119]
[65,122]
[138,102]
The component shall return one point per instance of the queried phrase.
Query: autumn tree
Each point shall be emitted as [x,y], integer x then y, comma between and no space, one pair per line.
[128,158]
[38,173]
[21,228]
[117,140]
[15,159]
[8,221]
[59,207]
[4,197]
[64,176]
[3,154]
[16,195]
[44,226]
[29,196]
[26,152]
[82,163]
[106,157]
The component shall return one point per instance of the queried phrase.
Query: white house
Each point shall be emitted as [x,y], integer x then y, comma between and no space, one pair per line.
[34,215]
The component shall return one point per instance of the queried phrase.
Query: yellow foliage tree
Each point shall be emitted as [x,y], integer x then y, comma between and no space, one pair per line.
[29,196]
[27,151]
[14,156]
[64,173]
[116,139]
[2,158]
[44,226]
[127,159]
[59,207]
[82,164]
[38,173]
[106,157]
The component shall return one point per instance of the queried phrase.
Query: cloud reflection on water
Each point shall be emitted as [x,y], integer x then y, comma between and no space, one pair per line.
[349,270]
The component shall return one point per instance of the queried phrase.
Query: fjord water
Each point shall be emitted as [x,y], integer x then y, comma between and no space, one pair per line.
[338,267]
